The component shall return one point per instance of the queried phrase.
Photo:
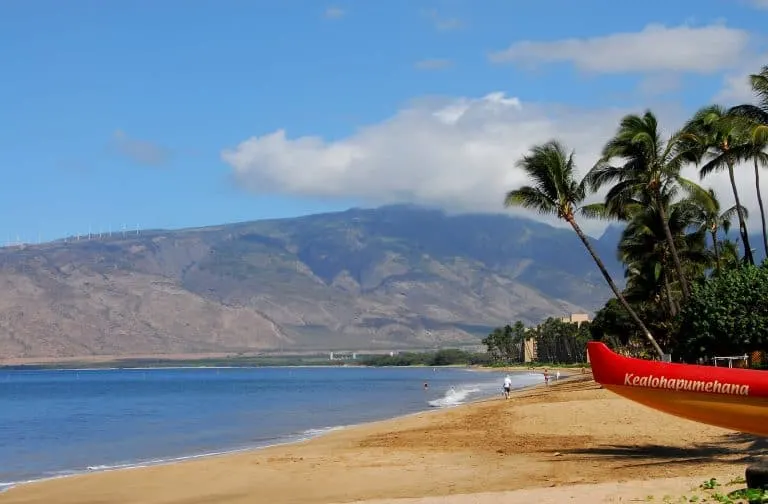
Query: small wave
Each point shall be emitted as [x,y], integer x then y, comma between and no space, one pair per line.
[109,467]
[310,434]
[453,397]
[321,431]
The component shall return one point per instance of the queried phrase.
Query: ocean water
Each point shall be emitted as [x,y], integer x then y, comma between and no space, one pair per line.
[58,423]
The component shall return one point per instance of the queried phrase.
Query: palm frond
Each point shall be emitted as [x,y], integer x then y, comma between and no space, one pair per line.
[718,163]
[596,211]
[603,173]
[692,189]
[682,148]
[704,119]
[550,168]
[760,134]
[761,157]
[706,202]
[750,112]
[759,82]
[547,166]
[623,196]
[531,198]
[732,213]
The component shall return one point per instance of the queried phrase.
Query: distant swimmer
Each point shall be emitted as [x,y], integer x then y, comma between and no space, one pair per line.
[507,386]
[426,386]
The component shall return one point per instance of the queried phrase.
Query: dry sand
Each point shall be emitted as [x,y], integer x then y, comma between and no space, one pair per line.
[568,435]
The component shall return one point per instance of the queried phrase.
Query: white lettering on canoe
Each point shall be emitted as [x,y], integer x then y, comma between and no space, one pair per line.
[662,382]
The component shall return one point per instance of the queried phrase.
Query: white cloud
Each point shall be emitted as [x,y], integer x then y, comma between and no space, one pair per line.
[334,13]
[456,154]
[655,48]
[736,87]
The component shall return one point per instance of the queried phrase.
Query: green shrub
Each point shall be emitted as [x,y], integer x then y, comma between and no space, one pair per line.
[726,315]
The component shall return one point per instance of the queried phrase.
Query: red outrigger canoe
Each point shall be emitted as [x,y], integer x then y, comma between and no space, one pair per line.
[731,398]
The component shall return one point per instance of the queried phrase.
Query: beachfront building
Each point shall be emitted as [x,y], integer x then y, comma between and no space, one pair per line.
[529,350]
[576,318]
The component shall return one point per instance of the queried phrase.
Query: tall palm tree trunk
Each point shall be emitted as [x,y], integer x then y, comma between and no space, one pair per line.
[668,292]
[715,249]
[673,249]
[760,204]
[742,222]
[613,287]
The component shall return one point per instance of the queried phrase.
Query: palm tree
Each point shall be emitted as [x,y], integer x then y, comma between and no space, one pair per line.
[644,250]
[651,167]
[759,83]
[712,218]
[729,254]
[555,191]
[723,140]
[760,157]
[757,115]
[645,268]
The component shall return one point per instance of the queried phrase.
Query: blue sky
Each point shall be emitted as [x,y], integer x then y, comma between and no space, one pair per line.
[168,113]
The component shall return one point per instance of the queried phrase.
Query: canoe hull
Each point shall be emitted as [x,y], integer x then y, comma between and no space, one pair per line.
[727,412]
[735,399]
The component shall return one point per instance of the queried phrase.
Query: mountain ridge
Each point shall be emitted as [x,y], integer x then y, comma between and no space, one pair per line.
[390,277]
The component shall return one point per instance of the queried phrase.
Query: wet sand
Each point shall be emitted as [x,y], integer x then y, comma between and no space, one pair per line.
[541,443]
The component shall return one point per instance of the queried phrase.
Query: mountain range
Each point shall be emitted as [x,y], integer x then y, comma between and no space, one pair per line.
[391,277]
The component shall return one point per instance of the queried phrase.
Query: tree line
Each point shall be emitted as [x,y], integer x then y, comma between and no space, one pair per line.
[445,357]
[692,289]
[555,341]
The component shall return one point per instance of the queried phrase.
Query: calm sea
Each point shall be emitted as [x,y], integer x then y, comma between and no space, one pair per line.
[57,423]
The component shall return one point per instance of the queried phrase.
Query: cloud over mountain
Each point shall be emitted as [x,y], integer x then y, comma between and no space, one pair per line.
[458,154]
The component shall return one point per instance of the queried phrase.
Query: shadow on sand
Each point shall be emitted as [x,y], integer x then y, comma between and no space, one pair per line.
[736,448]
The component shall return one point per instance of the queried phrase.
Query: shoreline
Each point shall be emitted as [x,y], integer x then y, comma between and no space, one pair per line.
[289,439]
[128,466]
[570,433]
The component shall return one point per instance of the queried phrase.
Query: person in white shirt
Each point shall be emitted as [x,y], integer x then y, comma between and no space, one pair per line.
[507,386]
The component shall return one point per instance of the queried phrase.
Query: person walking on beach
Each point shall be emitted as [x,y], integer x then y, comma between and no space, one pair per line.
[507,386]
[557,375]
[546,377]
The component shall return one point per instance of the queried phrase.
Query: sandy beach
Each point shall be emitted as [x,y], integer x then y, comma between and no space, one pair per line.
[571,442]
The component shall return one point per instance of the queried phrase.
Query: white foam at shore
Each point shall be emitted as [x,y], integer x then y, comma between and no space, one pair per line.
[453,397]
[456,396]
